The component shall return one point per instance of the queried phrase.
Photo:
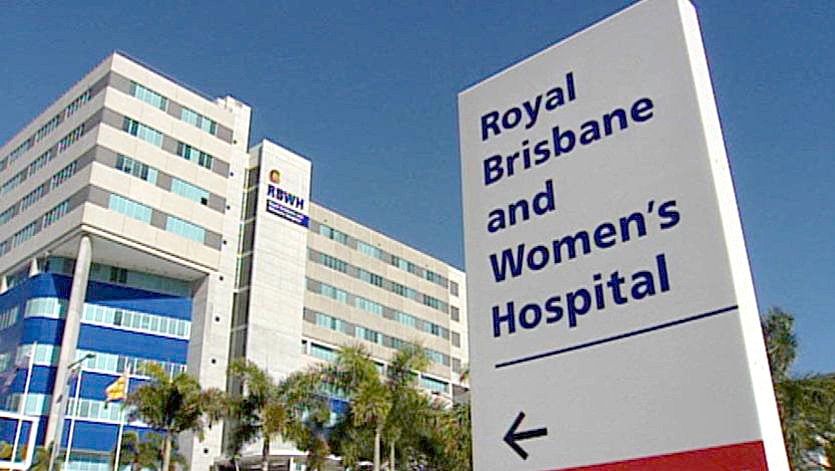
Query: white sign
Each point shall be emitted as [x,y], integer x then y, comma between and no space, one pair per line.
[613,321]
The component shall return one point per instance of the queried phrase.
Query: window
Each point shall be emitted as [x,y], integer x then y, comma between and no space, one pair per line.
[8,317]
[24,234]
[32,197]
[118,275]
[45,354]
[198,120]
[454,313]
[333,292]
[193,154]
[368,305]
[8,214]
[64,174]
[70,138]
[129,208]
[134,320]
[77,103]
[433,384]
[148,96]
[185,229]
[453,288]
[369,250]
[404,291]
[187,190]
[433,302]
[334,263]
[39,162]
[56,213]
[136,168]
[53,308]
[16,180]
[456,339]
[48,127]
[146,133]
[369,277]
[322,352]
[405,319]
[435,278]
[333,234]
[367,334]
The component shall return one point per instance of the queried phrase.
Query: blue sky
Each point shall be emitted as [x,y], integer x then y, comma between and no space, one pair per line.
[367,91]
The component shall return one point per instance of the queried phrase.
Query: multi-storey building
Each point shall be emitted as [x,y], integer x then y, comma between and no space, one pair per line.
[136,227]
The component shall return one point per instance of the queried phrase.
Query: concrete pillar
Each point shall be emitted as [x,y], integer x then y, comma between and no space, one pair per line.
[33,267]
[71,326]
[4,285]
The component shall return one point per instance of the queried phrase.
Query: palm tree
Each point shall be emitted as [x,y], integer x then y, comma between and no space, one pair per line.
[132,453]
[806,402]
[355,373]
[291,409]
[408,404]
[174,405]
[392,406]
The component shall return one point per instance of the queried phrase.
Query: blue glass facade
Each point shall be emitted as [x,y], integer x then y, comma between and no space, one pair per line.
[123,326]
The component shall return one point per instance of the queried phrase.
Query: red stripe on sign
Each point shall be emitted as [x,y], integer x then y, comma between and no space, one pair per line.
[740,457]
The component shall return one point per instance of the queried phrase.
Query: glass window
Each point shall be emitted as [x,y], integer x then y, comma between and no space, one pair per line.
[149,96]
[185,229]
[146,133]
[129,208]
[187,190]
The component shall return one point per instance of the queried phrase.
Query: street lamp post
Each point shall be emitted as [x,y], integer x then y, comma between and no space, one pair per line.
[59,430]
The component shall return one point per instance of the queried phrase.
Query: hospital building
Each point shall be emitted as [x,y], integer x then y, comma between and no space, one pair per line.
[139,225]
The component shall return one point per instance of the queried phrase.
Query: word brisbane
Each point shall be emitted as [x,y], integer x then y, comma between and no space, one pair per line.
[562,141]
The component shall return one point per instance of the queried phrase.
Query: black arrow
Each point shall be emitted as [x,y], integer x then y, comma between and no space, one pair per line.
[512,436]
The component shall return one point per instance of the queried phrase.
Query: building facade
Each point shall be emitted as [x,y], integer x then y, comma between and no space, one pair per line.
[136,226]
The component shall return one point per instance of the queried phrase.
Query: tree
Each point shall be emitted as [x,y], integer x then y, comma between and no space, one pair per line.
[290,409]
[408,404]
[382,408]
[354,373]
[174,405]
[146,452]
[806,402]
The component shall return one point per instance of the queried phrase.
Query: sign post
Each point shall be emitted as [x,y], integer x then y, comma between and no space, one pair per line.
[613,321]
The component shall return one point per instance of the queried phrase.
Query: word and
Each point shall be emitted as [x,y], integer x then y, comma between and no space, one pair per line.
[542,203]
[607,234]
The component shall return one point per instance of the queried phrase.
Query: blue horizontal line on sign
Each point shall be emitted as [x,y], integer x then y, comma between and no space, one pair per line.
[613,338]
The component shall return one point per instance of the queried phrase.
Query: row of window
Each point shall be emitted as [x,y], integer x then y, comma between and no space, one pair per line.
[329,354]
[96,410]
[154,137]
[132,278]
[376,308]
[376,280]
[36,404]
[120,364]
[52,308]
[44,354]
[149,96]
[376,252]
[47,128]
[71,138]
[137,169]
[136,321]
[157,100]
[8,318]
[194,154]
[150,175]
[31,229]
[142,131]
[340,325]
[130,208]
